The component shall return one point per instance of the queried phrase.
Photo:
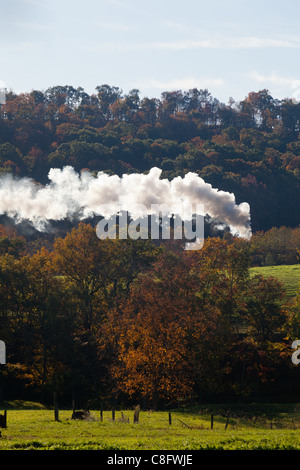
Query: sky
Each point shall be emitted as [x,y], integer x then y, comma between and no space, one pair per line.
[228,47]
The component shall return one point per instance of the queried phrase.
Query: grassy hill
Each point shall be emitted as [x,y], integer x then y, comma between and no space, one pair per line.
[289,275]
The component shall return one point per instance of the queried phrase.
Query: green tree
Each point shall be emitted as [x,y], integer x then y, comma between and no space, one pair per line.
[263,312]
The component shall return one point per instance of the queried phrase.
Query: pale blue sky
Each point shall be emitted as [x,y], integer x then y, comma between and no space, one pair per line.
[230,47]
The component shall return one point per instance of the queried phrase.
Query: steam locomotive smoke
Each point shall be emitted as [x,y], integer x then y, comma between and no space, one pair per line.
[74,196]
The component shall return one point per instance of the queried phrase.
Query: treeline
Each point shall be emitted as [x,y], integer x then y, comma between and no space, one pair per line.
[142,323]
[250,148]
[277,246]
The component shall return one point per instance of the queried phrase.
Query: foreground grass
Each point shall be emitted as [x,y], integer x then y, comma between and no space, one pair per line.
[36,429]
[289,275]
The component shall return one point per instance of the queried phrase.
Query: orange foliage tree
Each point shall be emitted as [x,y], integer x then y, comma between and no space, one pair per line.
[168,342]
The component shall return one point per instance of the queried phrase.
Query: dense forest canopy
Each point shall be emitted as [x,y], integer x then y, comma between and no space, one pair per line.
[138,320]
[131,321]
[250,148]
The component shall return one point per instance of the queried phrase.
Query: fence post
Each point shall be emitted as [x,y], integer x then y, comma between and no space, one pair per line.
[170,418]
[211,421]
[136,414]
[3,420]
[55,406]
[113,414]
[227,420]
[73,402]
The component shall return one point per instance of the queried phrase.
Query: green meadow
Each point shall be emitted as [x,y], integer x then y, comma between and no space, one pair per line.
[289,275]
[270,427]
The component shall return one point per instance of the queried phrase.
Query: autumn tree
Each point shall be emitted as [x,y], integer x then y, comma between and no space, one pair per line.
[39,326]
[223,271]
[99,270]
[97,273]
[168,342]
[107,96]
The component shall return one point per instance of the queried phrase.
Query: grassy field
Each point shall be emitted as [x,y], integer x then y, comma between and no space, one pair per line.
[289,275]
[267,428]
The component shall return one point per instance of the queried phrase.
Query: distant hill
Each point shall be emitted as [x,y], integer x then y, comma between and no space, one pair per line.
[250,148]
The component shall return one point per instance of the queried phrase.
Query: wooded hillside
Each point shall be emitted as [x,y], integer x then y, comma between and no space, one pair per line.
[250,148]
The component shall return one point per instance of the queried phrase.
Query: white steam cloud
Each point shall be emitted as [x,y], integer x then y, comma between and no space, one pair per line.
[70,195]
